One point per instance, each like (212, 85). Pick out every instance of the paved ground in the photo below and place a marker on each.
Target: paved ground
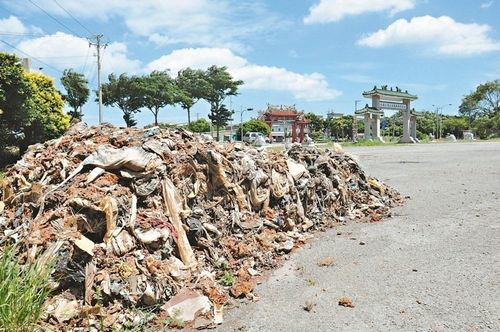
(433, 266)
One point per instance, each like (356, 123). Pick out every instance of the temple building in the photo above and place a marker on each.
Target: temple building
(285, 121)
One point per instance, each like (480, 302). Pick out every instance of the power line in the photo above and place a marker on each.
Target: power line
(74, 18)
(55, 19)
(30, 56)
(86, 60)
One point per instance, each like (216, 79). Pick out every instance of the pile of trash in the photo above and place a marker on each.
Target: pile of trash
(147, 226)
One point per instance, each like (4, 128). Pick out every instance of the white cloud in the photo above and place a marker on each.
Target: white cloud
(334, 10)
(54, 48)
(486, 5)
(441, 35)
(13, 25)
(309, 87)
(217, 23)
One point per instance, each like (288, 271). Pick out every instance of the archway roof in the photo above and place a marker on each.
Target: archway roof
(383, 91)
(368, 109)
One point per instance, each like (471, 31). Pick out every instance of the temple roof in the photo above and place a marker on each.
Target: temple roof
(282, 111)
(368, 109)
(383, 91)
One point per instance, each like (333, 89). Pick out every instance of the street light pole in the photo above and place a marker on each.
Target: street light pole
(241, 120)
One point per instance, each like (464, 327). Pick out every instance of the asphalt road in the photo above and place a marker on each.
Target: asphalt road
(433, 266)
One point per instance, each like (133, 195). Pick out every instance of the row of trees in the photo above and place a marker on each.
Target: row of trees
(428, 122)
(31, 108)
(158, 90)
(339, 127)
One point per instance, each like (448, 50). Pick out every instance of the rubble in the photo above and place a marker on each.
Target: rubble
(161, 220)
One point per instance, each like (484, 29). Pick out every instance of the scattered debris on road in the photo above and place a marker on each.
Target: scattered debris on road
(153, 221)
(326, 261)
(308, 306)
(345, 301)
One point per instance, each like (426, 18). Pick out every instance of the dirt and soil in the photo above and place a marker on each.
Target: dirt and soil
(433, 266)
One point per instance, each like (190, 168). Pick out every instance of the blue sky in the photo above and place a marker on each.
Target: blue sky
(317, 54)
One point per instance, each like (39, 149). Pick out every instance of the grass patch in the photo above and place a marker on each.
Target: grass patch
(23, 290)
(366, 143)
(227, 279)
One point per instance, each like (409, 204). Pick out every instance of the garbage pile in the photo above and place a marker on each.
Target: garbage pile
(147, 226)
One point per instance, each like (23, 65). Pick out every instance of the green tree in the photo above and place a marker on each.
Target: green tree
(220, 85)
(158, 90)
(220, 117)
(394, 125)
(455, 125)
(487, 127)
(361, 126)
(340, 126)
(317, 122)
(467, 108)
(427, 122)
(484, 101)
(192, 87)
(77, 91)
(15, 92)
(200, 126)
(255, 125)
(46, 107)
(126, 93)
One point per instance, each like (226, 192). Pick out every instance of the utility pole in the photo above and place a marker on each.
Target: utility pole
(98, 46)
(438, 125)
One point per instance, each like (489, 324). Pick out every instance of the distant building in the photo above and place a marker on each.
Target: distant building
(333, 115)
(285, 121)
(26, 64)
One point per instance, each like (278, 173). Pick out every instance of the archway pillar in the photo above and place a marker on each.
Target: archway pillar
(368, 123)
(376, 127)
(406, 124)
(413, 127)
